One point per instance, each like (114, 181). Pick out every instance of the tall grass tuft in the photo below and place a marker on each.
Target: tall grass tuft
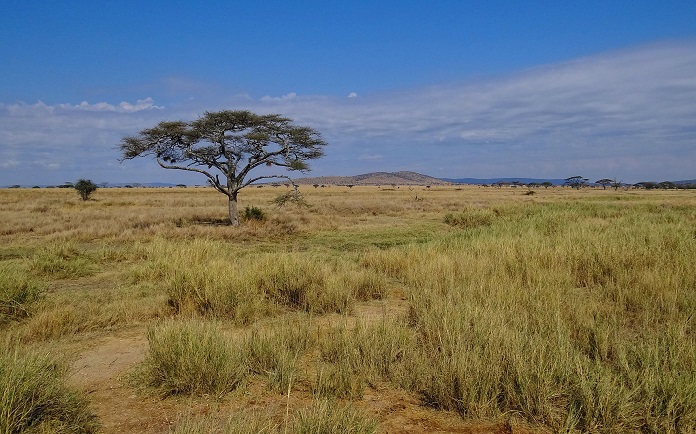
(470, 218)
(63, 260)
(577, 316)
(275, 353)
(241, 423)
(327, 417)
(303, 283)
(18, 291)
(35, 398)
(208, 279)
(373, 351)
(191, 357)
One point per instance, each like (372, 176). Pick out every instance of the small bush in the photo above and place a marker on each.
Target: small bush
(253, 213)
(35, 398)
(291, 197)
(85, 188)
(191, 357)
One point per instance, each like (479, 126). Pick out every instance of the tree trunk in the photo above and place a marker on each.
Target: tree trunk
(234, 214)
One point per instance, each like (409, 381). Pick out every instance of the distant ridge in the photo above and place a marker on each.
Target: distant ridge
(375, 178)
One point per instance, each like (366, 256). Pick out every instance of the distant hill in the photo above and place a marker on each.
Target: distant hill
(488, 181)
(686, 182)
(375, 178)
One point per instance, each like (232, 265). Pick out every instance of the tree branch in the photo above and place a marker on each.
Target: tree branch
(213, 179)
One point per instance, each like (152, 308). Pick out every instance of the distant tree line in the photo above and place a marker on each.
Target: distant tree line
(579, 182)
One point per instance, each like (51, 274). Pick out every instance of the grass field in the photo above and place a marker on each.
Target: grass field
(406, 309)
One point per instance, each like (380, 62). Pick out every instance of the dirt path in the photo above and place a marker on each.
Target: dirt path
(99, 372)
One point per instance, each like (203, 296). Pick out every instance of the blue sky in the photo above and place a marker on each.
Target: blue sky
(450, 89)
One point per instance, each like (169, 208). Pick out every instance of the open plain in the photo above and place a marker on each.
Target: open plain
(397, 309)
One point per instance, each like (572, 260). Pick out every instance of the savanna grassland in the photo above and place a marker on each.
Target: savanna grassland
(371, 309)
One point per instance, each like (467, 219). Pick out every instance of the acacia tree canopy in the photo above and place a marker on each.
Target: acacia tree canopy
(226, 146)
(576, 181)
(604, 182)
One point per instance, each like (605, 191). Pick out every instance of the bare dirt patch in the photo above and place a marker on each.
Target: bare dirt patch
(99, 371)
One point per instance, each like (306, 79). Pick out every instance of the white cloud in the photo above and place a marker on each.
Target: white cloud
(627, 114)
(286, 97)
(352, 95)
(126, 107)
(9, 163)
(591, 115)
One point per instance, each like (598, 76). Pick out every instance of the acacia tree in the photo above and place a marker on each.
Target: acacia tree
(226, 147)
(575, 182)
(604, 182)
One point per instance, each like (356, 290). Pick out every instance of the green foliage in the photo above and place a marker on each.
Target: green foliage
(575, 182)
(254, 213)
(35, 398)
(291, 198)
(605, 182)
(85, 188)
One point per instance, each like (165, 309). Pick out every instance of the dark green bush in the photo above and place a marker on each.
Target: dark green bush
(254, 213)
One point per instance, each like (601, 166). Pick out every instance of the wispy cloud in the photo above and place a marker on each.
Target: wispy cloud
(627, 114)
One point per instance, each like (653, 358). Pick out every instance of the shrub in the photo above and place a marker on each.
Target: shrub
(85, 188)
(35, 398)
(253, 213)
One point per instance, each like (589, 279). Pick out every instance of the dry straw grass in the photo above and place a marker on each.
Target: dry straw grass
(570, 310)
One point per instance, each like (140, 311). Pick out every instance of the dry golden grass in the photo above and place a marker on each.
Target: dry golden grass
(566, 310)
